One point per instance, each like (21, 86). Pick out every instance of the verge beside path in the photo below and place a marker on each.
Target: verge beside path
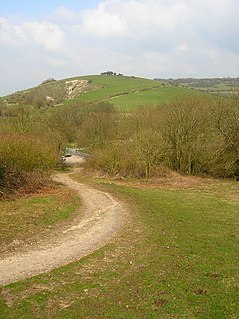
(93, 226)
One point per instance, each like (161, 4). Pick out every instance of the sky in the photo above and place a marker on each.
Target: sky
(145, 38)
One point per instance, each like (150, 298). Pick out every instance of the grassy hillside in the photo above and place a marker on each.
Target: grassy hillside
(125, 92)
(154, 96)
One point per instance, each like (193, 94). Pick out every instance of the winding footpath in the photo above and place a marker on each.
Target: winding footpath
(96, 223)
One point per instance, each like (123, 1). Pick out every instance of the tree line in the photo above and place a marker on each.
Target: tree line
(192, 136)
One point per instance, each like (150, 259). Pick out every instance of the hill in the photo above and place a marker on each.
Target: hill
(124, 92)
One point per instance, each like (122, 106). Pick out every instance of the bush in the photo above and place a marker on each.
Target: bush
(27, 153)
(24, 162)
(125, 159)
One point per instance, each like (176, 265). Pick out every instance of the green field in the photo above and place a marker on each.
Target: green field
(152, 97)
(177, 257)
(128, 93)
(103, 87)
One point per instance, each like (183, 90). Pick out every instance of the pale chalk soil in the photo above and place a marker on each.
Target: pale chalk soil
(96, 223)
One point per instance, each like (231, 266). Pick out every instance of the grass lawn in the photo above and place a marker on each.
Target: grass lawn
(177, 257)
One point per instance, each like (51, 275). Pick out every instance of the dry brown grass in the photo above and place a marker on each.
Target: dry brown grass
(21, 184)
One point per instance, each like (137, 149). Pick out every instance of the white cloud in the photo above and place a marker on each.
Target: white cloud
(136, 19)
(103, 21)
(182, 47)
(46, 34)
(65, 14)
(10, 34)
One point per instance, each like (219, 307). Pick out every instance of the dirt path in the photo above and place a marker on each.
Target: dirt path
(95, 224)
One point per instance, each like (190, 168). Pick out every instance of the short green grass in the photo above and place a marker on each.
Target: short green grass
(177, 257)
(152, 97)
(25, 217)
(106, 86)
(111, 85)
(128, 93)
